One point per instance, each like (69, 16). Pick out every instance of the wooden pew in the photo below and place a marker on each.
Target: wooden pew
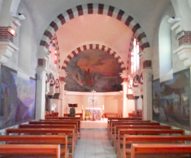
(122, 132)
(66, 115)
(107, 115)
(61, 140)
(44, 131)
(110, 124)
(62, 126)
(132, 139)
(68, 126)
(30, 150)
(121, 122)
(121, 118)
(111, 130)
(117, 127)
(160, 149)
(60, 121)
(70, 120)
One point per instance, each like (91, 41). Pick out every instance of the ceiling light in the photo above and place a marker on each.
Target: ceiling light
(12, 31)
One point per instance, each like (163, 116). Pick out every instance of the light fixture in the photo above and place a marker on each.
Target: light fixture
(172, 20)
(12, 31)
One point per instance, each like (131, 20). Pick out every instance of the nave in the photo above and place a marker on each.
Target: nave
(94, 142)
(70, 137)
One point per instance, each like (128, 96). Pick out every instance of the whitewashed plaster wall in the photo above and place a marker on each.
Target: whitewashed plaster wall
(28, 44)
(139, 104)
(113, 104)
(25, 59)
(0, 4)
(177, 65)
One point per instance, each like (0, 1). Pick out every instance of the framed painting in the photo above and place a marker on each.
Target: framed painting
(18, 98)
(93, 70)
(171, 103)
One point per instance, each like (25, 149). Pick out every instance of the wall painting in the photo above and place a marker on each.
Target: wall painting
(93, 70)
(17, 102)
(171, 100)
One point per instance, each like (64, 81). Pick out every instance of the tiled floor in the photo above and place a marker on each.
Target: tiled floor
(94, 141)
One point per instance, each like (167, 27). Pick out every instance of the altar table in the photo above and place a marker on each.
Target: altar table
(93, 114)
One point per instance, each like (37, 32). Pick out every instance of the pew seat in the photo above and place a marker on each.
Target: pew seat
(114, 136)
(161, 150)
(61, 140)
(21, 150)
(128, 140)
(47, 131)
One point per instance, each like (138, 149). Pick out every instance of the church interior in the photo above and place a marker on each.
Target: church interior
(97, 74)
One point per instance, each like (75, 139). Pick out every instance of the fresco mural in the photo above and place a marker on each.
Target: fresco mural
(171, 100)
(17, 102)
(93, 70)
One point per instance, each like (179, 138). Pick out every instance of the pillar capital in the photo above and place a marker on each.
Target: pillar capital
(42, 64)
(7, 48)
(184, 53)
(124, 74)
(147, 64)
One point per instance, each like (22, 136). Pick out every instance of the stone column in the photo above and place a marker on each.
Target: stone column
(40, 91)
(125, 91)
(136, 104)
(147, 91)
(62, 95)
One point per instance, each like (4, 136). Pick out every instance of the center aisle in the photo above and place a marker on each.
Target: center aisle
(94, 142)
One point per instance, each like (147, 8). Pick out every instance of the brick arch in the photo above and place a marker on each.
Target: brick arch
(94, 9)
(93, 46)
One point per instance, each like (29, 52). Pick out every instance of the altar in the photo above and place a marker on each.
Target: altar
(93, 114)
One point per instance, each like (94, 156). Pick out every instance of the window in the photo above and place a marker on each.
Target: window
(135, 61)
(165, 48)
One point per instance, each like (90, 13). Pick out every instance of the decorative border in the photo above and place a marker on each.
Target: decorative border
(93, 46)
(94, 9)
(147, 64)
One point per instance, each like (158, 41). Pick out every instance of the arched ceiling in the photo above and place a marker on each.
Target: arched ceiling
(145, 12)
(94, 29)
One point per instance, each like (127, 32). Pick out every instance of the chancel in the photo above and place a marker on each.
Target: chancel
(95, 78)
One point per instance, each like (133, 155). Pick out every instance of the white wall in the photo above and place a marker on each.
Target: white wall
(0, 4)
(177, 65)
(55, 105)
(112, 103)
(139, 103)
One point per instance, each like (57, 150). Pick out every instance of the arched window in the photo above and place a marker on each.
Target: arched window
(135, 60)
(165, 50)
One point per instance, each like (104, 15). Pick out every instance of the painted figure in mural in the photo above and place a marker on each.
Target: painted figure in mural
(88, 78)
(72, 111)
(6, 101)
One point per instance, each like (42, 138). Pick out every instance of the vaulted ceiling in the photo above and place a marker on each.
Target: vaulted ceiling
(99, 29)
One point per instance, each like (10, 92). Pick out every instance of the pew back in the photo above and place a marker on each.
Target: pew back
(44, 131)
(132, 139)
(160, 149)
(32, 150)
(38, 139)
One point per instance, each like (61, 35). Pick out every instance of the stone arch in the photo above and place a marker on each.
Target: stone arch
(94, 9)
(93, 46)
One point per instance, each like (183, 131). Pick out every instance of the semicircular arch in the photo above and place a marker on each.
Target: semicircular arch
(91, 8)
(93, 46)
